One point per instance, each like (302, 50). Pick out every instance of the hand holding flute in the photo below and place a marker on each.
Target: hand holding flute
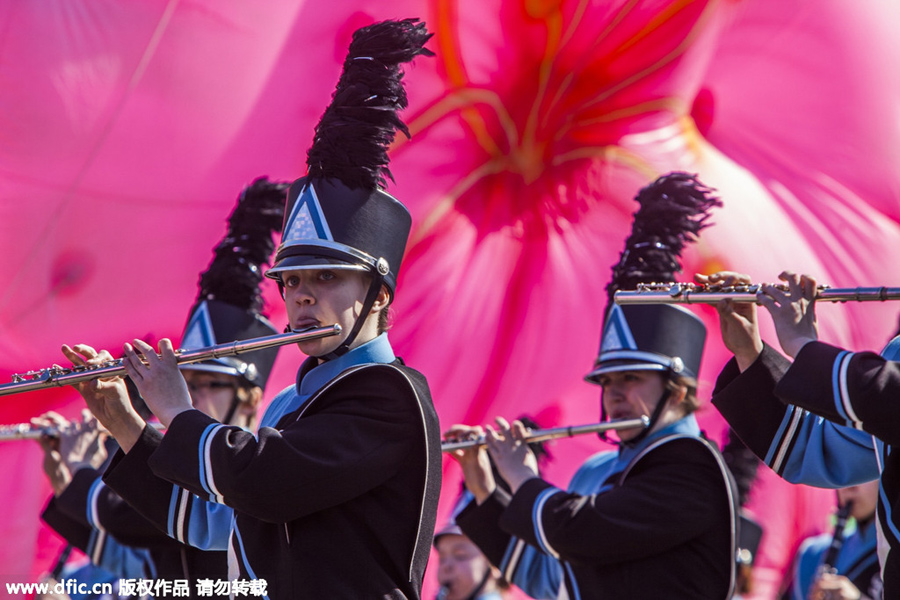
(76, 444)
(509, 450)
(737, 320)
(107, 398)
(792, 309)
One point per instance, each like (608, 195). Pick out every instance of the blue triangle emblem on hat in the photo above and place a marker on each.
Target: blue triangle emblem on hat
(307, 221)
(617, 334)
(199, 332)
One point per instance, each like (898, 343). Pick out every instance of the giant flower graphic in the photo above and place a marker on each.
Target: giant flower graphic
(126, 141)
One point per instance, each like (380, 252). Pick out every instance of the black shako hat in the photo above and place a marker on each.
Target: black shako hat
(229, 300)
(650, 337)
(339, 215)
(657, 337)
(212, 323)
(328, 224)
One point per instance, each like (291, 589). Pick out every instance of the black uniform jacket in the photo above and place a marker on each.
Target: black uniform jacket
(662, 529)
(169, 559)
(829, 415)
(339, 500)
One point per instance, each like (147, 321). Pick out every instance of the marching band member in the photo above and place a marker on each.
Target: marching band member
(827, 419)
(94, 518)
(464, 572)
(658, 517)
(336, 496)
(842, 565)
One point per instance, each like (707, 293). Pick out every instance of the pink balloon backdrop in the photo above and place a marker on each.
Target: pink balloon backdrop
(128, 129)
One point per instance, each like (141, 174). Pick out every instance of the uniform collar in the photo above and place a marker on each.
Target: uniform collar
(312, 375)
(686, 426)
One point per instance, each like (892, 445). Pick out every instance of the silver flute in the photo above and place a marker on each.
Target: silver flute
(26, 431)
(542, 435)
(58, 376)
(693, 293)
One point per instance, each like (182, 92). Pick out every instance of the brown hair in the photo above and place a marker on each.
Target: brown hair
(691, 402)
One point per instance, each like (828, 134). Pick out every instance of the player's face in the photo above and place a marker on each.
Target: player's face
(631, 395)
(864, 497)
(321, 298)
(211, 393)
(461, 566)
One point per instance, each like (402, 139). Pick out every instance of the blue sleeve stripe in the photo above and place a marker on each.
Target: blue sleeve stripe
(511, 558)
(785, 435)
(206, 478)
(570, 583)
(539, 524)
(841, 394)
(173, 504)
(93, 515)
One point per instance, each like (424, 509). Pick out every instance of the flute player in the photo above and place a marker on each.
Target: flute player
(655, 519)
(829, 418)
(91, 516)
(337, 495)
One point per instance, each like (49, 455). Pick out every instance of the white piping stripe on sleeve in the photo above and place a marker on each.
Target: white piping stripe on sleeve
(182, 512)
(99, 543)
(778, 463)
(93, 512)
(878, 451)
(844, 393)
(538, 522)
(207, 466)
(514, 557)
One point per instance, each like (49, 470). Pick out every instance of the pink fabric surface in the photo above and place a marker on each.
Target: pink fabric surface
(128, 129)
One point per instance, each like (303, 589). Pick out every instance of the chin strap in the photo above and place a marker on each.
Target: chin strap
(235, 402)
(381, 269)
(477, 590)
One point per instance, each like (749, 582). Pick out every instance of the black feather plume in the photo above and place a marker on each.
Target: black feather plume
(235, 272)
(354, 133)
(673, 209)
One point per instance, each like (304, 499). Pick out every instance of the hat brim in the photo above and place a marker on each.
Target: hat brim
(299, 263)
(634, 360)
(625, 365)
(323, 253)
(209, 367)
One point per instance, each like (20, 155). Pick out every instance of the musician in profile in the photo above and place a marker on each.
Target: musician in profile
(90, 515)
(658, 517)
(842, 565)
(828, 418)
(336, 497)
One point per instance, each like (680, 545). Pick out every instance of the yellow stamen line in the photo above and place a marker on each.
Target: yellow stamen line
(569, 78)
(554, 28)
(612, 154)
(654, 24)
(448, 43)
(658, 65)
(465, 100)
(444, 206)
(672, 104)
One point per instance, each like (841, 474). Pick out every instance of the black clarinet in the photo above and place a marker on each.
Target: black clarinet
(837, 541)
